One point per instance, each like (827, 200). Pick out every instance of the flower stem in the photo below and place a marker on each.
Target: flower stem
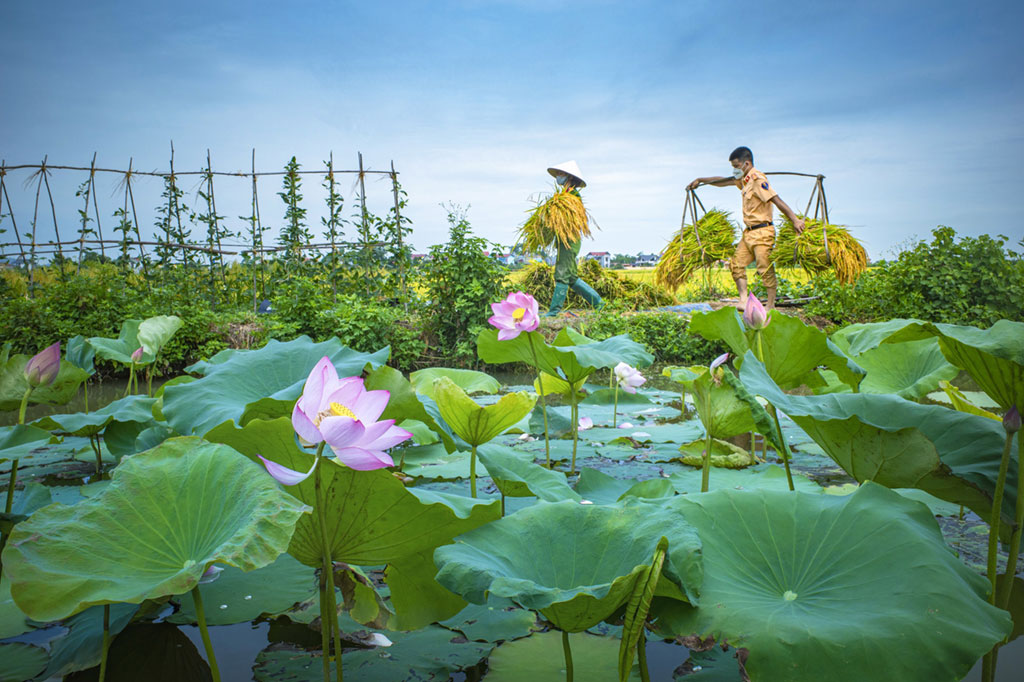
(472, 472)
(328, 605)
(575, 430)
(615, 408)
(205, 634)
(106, 642)
(10, 487)
(994, 522)
(85, 388)
(131, 377)
(24, 406)
(543, 400)
(568, 656)
(705, 476)
(94, 441)
(1011, 564)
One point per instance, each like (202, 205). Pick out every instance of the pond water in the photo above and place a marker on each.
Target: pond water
(238, 645)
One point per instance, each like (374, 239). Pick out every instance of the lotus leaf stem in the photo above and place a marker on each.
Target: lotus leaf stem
(783, 446)
(8, 505)
(705, 476)
(568, 656)
(106, 642)
(325, 625)
(94, 441)
(131, 377)
(472, 472)
(1011, 564)
(994, 521)
(575, 429)
(543, 400)
(205, 634)
(85, 389)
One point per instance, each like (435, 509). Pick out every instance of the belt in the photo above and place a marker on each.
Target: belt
(754, 227)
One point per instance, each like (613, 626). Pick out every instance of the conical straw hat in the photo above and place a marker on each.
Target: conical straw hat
(568, 168)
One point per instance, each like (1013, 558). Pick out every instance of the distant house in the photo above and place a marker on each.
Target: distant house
(646, 260)
(419, 257)
(603, 258)
(12, 262)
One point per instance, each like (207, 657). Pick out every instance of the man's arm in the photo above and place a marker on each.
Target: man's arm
(798, 223)
(717, 181)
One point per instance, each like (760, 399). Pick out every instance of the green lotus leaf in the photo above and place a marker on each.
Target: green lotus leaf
(468, 380)
(819, 587)
(270, 379)
(994, 357)
(416, 597)
(539, 658)
(155, 332)
(21, 661)
(600, 488)
(792, 349)
(556, 385)
(476, 424)
(12, 619)
(578, 356)
(80, 353)
(592, 557)
(404, 403)
(133, 408)
(13, 384)
(729, 415)
(911, 369)
(681, 375)
(20, 440)
(121, 348)
(516, 477)
(167, 514)
(952, 455)
(529, 348)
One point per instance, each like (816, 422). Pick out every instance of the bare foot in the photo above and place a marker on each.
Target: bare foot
(742, 304)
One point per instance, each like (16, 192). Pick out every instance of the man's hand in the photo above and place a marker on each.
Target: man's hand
(799, 225)
(695, 184)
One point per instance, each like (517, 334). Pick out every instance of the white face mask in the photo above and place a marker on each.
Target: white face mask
(561, 179)
(738, 173)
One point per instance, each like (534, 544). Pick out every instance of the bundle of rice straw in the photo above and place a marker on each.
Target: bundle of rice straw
(692, 249)
(845, 255)
(561, 218)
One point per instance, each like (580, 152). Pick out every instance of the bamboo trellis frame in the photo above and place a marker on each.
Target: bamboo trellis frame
(29, 246)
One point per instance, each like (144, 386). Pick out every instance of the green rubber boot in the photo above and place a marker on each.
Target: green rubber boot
(557, 299)
(588, 294)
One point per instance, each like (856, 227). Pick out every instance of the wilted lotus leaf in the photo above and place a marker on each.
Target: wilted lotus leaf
(819, 587)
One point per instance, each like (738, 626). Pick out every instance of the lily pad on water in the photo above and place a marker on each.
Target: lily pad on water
(592, 556)
(20, 440)
(517, 477)
(80, 647)
(21, 661)
(166, 515)
(266, 382)
(433, 653)
(538, 658)
(133, 408)
(952, 455)
(821, 587)
(600, 488)
(499, 619)
(762, 477)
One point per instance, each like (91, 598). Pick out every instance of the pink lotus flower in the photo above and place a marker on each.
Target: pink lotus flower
(755, 316)
(345, 415)
(137, 354)
(585, 423)
(517, 313)
(629, 378)
(719, 361)
(42, 368)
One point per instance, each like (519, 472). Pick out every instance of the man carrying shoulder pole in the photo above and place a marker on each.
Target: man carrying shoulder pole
(758, 236)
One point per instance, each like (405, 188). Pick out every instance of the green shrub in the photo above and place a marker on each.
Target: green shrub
(367, 325)
(664, 334)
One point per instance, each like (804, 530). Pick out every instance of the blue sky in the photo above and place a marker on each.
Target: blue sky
(912, 110)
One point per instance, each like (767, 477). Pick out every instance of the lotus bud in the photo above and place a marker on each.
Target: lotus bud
(1011, 420)
(755, 316)
(719, 361)
(137, 355)
(585, 423)
(43, 367)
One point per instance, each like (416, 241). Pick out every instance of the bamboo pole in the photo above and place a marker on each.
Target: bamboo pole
(32, 244)
(96, 205)
(14, 223)
(398, 227)
(135, 219)
(85, 220)
(177, 211)
(53, 212)
(214, 217)
(363, 229)
(236, 174)
(252, 223)
(332, 226)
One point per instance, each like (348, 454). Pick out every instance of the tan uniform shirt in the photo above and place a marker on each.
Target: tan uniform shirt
(757, 198)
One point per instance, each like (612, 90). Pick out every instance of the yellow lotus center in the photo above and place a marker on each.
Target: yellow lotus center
(518, 314)
(334, 410)
(339, 410)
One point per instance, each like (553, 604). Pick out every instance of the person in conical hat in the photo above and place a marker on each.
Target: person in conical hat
(566, 274)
